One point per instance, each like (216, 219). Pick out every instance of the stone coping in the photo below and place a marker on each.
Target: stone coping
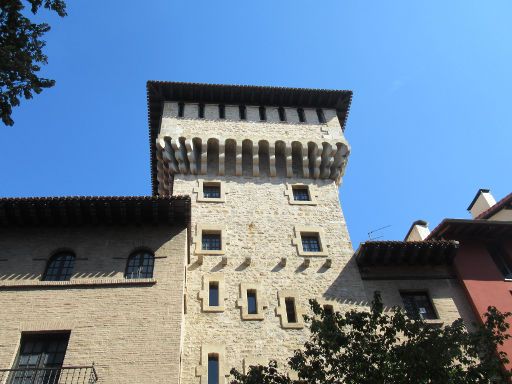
(10, 284)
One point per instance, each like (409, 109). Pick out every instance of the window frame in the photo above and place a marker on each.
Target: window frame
(70, 270)
(301, 231)
(281, 309)
(199, 190)
(209, 229)
(243, 302)
(412, 293)
(132, 256)
(312, 191)
(204, 293)
(501, 259)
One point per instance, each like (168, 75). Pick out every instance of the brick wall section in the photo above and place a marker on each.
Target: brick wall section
(132, 333)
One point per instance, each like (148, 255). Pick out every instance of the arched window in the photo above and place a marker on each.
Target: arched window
(140, 265)
(60, 267)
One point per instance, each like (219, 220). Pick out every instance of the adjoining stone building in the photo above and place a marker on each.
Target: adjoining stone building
(216, 269)
(93, 284)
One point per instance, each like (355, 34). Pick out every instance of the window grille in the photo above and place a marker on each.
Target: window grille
(301, 194)
(211, 242)
(60, 267)
(310, 243)
(211, 191)
(418, 305)
(140, 265)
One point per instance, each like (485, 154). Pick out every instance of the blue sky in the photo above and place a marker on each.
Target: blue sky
(430, 121)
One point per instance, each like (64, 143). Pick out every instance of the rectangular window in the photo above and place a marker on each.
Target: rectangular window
(201, 111)
(40, 357)
(501, 259)
(252, 302)
(302, 116)
(213, 369)
(282, 114)
(290, 310)
(211, 191)
(213, 296)
(243, 112)
(222, 111)
(320, 114)
(181, 109)
(310, 243)
(211, 242)
(300, 193)
(263, 114)
(418, 305)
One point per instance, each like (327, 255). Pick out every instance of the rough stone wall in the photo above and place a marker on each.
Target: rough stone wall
(130, 331)
(259, 223)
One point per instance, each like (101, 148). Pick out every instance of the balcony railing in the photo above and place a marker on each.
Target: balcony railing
(61, 375)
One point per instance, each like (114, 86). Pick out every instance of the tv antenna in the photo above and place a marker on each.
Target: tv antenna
(377, 230)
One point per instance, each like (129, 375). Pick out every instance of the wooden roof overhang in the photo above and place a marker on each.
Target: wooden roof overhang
(455, 229)
(397, 253)
(159, 92)
(94, 210)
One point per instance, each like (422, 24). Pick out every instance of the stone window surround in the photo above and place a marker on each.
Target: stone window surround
(312, 190)
(204, 294)
(244, 306)
(281, 309)
(202, 367)
(209, 228)
(199, 191)
(297, 240)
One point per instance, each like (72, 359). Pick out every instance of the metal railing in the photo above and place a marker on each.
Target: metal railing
(60, 375)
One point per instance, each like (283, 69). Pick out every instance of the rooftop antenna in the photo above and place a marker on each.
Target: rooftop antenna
(376, 230)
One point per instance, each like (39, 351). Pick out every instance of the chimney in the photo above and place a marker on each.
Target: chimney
(418, 231)
(481, 202)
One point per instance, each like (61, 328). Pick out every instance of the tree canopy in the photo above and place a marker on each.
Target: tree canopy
(379, 347)
(21, 53)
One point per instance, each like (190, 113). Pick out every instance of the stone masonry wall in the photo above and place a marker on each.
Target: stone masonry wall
(130, 331)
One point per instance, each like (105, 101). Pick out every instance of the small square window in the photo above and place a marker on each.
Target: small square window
(211, 191)
(252, 303)
(418, 305)
(211, 242)
(301, 193)
(310, 243)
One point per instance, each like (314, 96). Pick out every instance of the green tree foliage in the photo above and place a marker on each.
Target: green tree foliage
(21, 53)
(377, 347)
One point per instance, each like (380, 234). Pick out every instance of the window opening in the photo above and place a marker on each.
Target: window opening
(252, 302)
(243, 112)
(301, 194)
(60, 267)
(213, 369)
(302, 116)
(320, 114)
(181, 109)
(211, 242)
(282, 114)
(211, 191)
(140, 265)
(263, 113)
(222, 111)
(213, 297)
(290, 310)
(418, 305)
(201, 111)
(310, 243)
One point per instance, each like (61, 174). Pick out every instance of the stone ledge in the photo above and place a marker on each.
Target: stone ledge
(10, 284)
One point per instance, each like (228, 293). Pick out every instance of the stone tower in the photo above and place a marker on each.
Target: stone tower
(267, 233)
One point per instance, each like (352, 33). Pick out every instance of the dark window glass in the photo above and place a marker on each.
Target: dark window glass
(302, 116)
(300, 194)
(222, 111)
(60, 267)
(252, 304)
(213, 369)
(501, 259)
(263, 114)
(213, 297)
(201, 111)
(320, 114)
(140, 265)
(40, 356)
(418, 305)
(282, 114)
(181, 109)
(211, 191)
(211, 241)
(243, 112)
(310, 243)
(328, 310)
(290, 309)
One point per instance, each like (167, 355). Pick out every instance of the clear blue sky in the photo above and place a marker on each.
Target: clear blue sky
(430, 121)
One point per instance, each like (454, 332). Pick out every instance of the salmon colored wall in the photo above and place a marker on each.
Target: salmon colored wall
(483, 281)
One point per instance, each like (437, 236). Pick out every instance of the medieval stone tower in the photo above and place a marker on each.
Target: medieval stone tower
(263, 166)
